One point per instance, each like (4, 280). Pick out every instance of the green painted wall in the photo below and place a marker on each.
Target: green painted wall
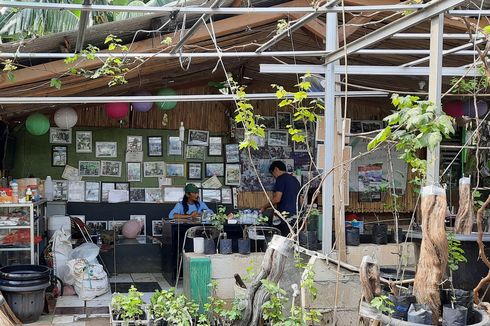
(33, 154)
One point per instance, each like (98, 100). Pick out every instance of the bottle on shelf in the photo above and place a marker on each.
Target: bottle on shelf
(28, 194)
(48, 189)
(15, 191)
(181, 131)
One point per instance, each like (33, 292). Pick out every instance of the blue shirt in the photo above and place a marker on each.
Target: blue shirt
(179, 209)
(289, 186)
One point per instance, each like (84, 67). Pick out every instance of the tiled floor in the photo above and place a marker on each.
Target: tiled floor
(71, 311)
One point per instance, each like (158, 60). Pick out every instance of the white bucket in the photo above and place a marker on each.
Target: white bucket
(199, 245)
(56, 222)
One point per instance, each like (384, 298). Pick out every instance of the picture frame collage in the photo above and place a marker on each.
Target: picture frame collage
(97, 226)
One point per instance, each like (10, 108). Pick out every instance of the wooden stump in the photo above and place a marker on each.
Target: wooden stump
(276, 257)
(466, 215)
(433, 250)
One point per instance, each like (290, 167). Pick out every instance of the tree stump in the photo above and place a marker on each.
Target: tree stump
(433, 250)
(466, 215)
(278, 258)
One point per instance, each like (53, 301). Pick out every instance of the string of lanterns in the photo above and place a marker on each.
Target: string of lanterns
(37, 124)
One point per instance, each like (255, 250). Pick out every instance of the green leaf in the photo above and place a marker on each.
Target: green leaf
(56, 83)
(434, 139)
(380, 137)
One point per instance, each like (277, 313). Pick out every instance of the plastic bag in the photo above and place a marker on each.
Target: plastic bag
(90, 280)
(61, 252)
(87, 251)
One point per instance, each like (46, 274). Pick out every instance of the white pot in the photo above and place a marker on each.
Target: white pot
(199, 245)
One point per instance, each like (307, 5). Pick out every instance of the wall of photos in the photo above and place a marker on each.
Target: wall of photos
(131, 159)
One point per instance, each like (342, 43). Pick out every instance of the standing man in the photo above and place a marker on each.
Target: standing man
(285, 195)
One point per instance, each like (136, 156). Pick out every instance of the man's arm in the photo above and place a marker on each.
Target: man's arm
(276, 199)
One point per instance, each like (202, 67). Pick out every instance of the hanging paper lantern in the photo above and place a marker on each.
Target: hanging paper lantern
(117, 110)
(65, 118)
(166, 105)
(454, 108)
(469, 108)
(37, 124)
(142, 106)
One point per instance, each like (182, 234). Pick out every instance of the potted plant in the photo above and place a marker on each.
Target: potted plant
(244, 242)
(167, 308)
(128, 309)
(218, 220)
(217, 311)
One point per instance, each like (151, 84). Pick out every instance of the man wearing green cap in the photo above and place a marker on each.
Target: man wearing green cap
(190, 207)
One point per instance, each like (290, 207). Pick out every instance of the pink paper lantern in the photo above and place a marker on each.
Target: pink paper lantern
(142, 106)
(469, 108)
(453, 108)
(117, 110)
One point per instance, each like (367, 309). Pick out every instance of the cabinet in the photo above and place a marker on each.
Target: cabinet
(20, 227)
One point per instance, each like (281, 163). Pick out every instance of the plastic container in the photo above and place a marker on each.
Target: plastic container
(198, 245)
(28, 194)
(15, 191)
(48, 189)
(56, 222)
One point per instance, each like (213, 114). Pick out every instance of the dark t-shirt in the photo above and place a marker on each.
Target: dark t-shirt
(289, 186)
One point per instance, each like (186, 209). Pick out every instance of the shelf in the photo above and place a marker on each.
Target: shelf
(15, 249)
(3, 227)
(33, 204)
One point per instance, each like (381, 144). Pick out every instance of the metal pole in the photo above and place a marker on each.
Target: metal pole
(173, 98)
(435, 84)
(329, 121)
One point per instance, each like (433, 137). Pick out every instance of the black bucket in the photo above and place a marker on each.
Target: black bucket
(380, 233)
(352, 236)
(209, 247)
(308, 239)
(244, 246)
(23, 286)
(225, 246)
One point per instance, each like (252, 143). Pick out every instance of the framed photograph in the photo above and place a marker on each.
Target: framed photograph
(211, 195)
(105, 188)
(89, 168)
(232, 174)
(156, 228)
(59, 155)
(215, 146)
(111, 168)
(153, 195)
(137, 195)
(301, 147)
(232, 153)
(142, 219)
(116, 225)
(83, 141)
(134, 171)
(105, 149)
(268, 122)
(121, 186)
(76, 191)
(60, 190)
(278, 138)
(59, 136)
(134, 143)
(226, 196)
(260, 141)
(174, 146)
(194, 170)
(234, 190)
(283, 120)
(217, 169)
(92, 191)
(195, 152)
(70, 173)
(96, 226)
(175, 170)
(371, 125)
(134, 156)
(155, 146)
(173, 194)
(154, 169)
(198, 137)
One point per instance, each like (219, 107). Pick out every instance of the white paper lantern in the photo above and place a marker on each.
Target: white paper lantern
(65, 118)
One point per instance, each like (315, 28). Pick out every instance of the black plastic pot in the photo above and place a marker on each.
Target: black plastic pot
(458, 297)
(209, 247)
(23, 287)
(244, 246)
(380, 233)
(419, 314)
(454, 316)
(352, 236)
(402, 304)
(225, 246)
(308, 239)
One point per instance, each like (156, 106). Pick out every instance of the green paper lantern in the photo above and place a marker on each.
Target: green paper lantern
(166, 105)
(37, 124)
